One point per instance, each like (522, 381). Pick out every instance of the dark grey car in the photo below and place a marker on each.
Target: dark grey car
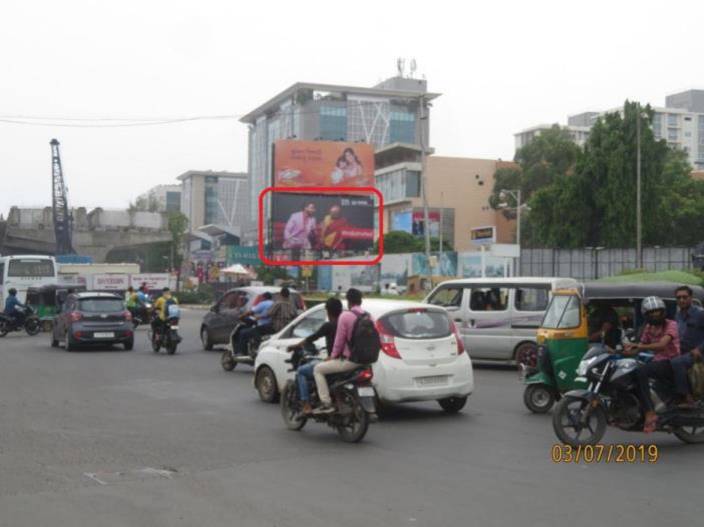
(219, 322)
(89, 319)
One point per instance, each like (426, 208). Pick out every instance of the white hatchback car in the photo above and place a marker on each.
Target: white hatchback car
(422, 356)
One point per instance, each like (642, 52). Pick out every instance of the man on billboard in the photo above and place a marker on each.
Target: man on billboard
(299, 232)
(331, 230)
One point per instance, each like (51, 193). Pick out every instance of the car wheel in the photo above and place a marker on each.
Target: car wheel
(129, 345)
(54, 342)
(538, 398)
(527, 354)
(70, 343)
(452, 405)
(205, 339)
(265, 382)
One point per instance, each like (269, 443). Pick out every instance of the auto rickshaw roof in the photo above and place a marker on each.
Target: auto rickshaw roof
(596, 290)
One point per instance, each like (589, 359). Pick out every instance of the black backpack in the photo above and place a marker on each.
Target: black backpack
(365, 342)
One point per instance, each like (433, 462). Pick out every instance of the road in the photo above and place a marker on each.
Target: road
(113, 438)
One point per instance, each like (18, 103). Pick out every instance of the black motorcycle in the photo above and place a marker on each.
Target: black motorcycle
(166, 335)
(141, 314)
(580, 418)
(29, 322)
(233, 356)
(352, 395)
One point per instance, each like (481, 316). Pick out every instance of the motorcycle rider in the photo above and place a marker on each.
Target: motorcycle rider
(260, 313)
(690, 323)
(14, 309)
(283, 311)
(161, 309)
(338, 360)
(661, 336)
(131, 300)
(333, 308)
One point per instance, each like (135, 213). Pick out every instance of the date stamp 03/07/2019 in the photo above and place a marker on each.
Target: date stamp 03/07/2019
(605, 453)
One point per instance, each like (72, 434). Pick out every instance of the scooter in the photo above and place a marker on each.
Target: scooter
(29, 322)
(233, 356)
(352, 394)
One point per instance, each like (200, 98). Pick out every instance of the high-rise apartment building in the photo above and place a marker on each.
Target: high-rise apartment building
(215, 198)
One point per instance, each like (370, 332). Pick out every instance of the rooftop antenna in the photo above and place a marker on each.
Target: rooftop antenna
(414, 66)
(400, 66)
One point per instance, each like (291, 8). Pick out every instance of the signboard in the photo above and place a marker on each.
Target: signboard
(154, 281)
(328, 222)
(483, 235)
(243, 255)
(109, 282)
(72, 280)
(323, 164)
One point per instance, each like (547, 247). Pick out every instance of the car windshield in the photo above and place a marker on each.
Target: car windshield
(418, 324)
(562, 313)
(100, 305)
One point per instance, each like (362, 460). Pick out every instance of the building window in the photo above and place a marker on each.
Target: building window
(211, 200)
(399, 184)
(173, 201)
(672, 134)
(672, 119)
(402, 128)
(333, 123)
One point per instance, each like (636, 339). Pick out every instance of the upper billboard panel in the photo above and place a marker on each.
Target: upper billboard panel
(323, 164)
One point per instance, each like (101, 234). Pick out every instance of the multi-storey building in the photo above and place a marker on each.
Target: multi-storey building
(215, 198)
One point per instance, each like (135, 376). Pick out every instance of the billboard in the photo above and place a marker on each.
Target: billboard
(334, 223)
(483, 235)
(418, 222)
(109, 282)
(323, 164)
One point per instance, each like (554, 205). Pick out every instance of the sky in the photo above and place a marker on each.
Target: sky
(501, 66)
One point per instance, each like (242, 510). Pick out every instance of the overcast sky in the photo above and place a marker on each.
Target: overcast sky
(501, 67)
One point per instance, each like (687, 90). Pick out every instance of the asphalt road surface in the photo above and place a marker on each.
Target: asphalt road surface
(114, 438)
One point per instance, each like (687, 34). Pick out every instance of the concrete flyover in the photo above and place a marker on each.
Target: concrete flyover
(95, 233)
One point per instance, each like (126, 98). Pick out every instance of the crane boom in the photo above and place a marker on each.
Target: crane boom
(62, 217)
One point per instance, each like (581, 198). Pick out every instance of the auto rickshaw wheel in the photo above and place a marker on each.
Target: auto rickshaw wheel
(539, 398)
(527, 354)
(47, 326)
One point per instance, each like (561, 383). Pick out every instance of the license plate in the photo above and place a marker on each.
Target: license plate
(104, 335)
(174, 327)
(365, 391)
(432, 380)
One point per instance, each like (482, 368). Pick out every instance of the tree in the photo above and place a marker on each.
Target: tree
(396, 242)
(148, 203)
(177, 224)
(595, 204)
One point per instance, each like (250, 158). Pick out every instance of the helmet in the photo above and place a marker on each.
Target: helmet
(651, 303)
(653, 309)
(12, 291)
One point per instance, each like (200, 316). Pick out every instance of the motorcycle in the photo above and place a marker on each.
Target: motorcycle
(233, 356)
(611, 398)
(352, 395)
(167, 335)
(142, 314)
(29, 322)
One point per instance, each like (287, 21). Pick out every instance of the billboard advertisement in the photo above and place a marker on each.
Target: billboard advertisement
(402, 221)
(109, 282)
(154, 281)
(418, 222)
(322, 222)
(323, 164)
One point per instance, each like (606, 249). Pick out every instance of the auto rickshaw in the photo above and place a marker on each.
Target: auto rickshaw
(572, 324)
(46, 302)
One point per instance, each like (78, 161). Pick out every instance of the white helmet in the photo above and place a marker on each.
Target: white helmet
(652, 303)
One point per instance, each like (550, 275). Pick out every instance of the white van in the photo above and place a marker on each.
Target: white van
(498, 317)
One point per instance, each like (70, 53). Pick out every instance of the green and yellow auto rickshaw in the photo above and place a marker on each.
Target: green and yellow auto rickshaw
(46, 302)
(572, 324)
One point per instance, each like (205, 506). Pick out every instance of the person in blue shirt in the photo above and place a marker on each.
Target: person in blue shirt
(260, 313)
(11, 305)
(690, 325)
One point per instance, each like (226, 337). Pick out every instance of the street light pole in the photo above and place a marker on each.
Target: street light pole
(422, 109)
(639, 246)
(518, 231)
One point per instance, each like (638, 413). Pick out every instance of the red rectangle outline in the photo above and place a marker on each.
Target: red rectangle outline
(316, 190)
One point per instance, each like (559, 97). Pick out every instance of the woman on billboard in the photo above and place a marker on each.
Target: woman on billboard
(352, 170)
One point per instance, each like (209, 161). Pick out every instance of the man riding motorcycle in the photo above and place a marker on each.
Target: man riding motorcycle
(660, 336)
(161, 308)
(260, 313)
(304, 374)
(14, 309)
(690, 322)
